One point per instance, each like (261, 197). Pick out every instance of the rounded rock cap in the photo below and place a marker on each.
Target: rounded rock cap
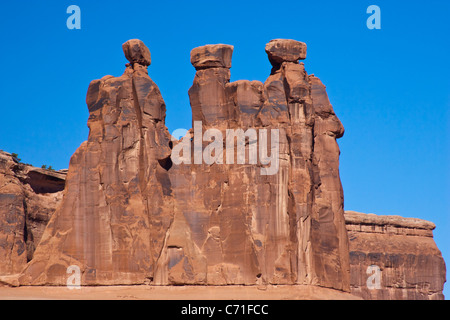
(137, 52)
(281, 50)
(212, 56)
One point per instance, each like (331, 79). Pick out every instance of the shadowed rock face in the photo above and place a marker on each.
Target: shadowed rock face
(410, 265)
(28, 198)
(45, 181)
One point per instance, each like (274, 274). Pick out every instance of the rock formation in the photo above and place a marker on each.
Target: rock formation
(28, 198)
(130, 215)
(401, 251)
(248, 228)
(116, 210)
(251, 195)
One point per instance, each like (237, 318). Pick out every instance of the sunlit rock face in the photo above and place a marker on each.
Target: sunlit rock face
(268, 212)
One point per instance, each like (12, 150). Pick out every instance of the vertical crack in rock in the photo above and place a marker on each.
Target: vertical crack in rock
(141, 138)
(27, 236)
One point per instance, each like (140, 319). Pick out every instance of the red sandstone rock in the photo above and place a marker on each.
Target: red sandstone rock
(285, 50)
(113, 220)
(212, 56)
(131, 216)
(136, 52)
(201, 223)
(28, 198)
(410, 265)
(248, 228)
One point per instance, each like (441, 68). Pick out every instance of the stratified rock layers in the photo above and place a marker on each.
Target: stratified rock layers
(409, 264)
(130, 215)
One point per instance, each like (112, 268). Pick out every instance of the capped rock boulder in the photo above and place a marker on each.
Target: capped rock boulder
(285, 50)
(137, 52)
(212, 56)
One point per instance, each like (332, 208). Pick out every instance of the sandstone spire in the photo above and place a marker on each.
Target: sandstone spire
(209, 100)
(114, 214)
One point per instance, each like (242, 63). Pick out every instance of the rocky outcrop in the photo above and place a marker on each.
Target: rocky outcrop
(28, 198)
(255, 223)
(117, 208)
(251, 195)
(266, 210)
(394, 258)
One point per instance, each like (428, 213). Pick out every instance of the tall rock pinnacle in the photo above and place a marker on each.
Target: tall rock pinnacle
(209, 101)
(114, 214)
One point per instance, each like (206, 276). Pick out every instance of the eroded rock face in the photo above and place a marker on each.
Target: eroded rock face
(113, 220)
(28, 198)
(184, 225)
(245, 227)
(400, 251)
(130, 215)
(142, 207)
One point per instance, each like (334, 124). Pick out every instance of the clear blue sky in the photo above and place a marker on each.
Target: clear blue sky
(389, 87)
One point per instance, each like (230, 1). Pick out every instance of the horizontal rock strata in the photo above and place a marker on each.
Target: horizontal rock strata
(403, 253)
